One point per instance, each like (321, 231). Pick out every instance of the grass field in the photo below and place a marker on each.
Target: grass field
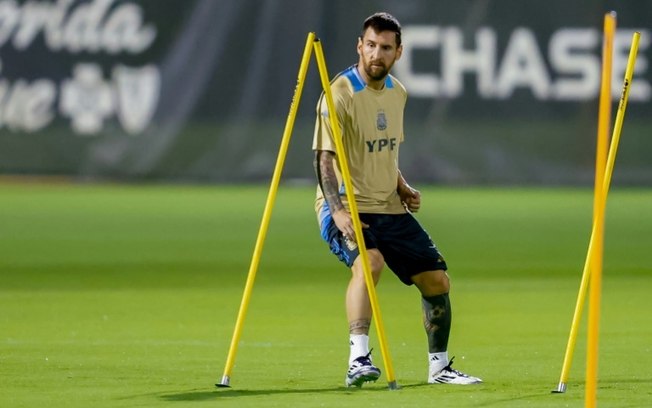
(126, 296)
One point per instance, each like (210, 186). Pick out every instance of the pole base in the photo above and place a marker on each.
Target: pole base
(561, 388)
(392, 385)
(225, 383)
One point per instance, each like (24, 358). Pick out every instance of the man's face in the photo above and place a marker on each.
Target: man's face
(378, 52)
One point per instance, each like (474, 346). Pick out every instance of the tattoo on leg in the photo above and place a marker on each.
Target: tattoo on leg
(360, 326)
(437, 321)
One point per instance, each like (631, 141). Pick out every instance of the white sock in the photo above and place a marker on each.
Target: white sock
(359, 346)
(437, 361)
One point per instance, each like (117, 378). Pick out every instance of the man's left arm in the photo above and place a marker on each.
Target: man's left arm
(410, 197)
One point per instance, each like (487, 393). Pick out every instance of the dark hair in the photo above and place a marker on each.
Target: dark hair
(383, 21)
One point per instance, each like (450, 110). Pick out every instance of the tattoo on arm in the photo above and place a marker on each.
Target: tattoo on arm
(327, 179)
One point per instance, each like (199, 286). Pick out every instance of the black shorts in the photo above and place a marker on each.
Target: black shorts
(407, 248)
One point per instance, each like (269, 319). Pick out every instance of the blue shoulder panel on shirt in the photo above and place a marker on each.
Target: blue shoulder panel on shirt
(388, 83)
(354, 77)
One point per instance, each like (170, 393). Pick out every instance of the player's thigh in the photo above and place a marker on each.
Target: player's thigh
(409, 250)
(376, 262)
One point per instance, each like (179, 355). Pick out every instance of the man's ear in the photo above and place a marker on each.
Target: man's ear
(399, 52)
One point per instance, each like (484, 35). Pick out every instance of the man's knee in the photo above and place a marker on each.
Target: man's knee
(432, 283)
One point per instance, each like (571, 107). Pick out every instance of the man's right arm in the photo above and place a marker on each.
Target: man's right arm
(327, 179)
(330, 189)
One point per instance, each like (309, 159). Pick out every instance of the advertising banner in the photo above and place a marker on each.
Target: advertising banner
(500, 92)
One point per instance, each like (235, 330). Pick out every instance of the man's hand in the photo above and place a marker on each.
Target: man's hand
(344, 223)
(410, 197)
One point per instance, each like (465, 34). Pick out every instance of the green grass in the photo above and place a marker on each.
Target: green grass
(126, 296)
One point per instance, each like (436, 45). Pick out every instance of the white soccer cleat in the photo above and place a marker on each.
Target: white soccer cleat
(448, 375)
(361, 371)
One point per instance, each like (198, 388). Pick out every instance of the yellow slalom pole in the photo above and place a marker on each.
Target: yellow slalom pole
(590, 398)
(267, 213)
(604, 115)
(353, 208)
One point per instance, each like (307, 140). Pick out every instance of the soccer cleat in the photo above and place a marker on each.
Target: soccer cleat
(448, 375)
(361, 371)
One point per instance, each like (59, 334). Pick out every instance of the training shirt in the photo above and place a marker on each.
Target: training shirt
(372, 130)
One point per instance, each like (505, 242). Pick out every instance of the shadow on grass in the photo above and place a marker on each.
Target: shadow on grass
(204, 395)
(220, 393)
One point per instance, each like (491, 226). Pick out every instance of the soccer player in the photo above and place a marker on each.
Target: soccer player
(369, 105)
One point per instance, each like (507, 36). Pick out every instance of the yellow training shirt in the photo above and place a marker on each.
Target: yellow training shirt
(372, 130)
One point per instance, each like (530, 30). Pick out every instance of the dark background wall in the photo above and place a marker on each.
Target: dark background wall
(501, 92)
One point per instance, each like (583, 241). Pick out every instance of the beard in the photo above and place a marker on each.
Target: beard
(376, 72)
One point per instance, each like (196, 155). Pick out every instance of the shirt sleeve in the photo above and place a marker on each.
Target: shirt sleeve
(323, 137)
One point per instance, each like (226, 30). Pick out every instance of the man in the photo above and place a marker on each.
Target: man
(369, 106)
